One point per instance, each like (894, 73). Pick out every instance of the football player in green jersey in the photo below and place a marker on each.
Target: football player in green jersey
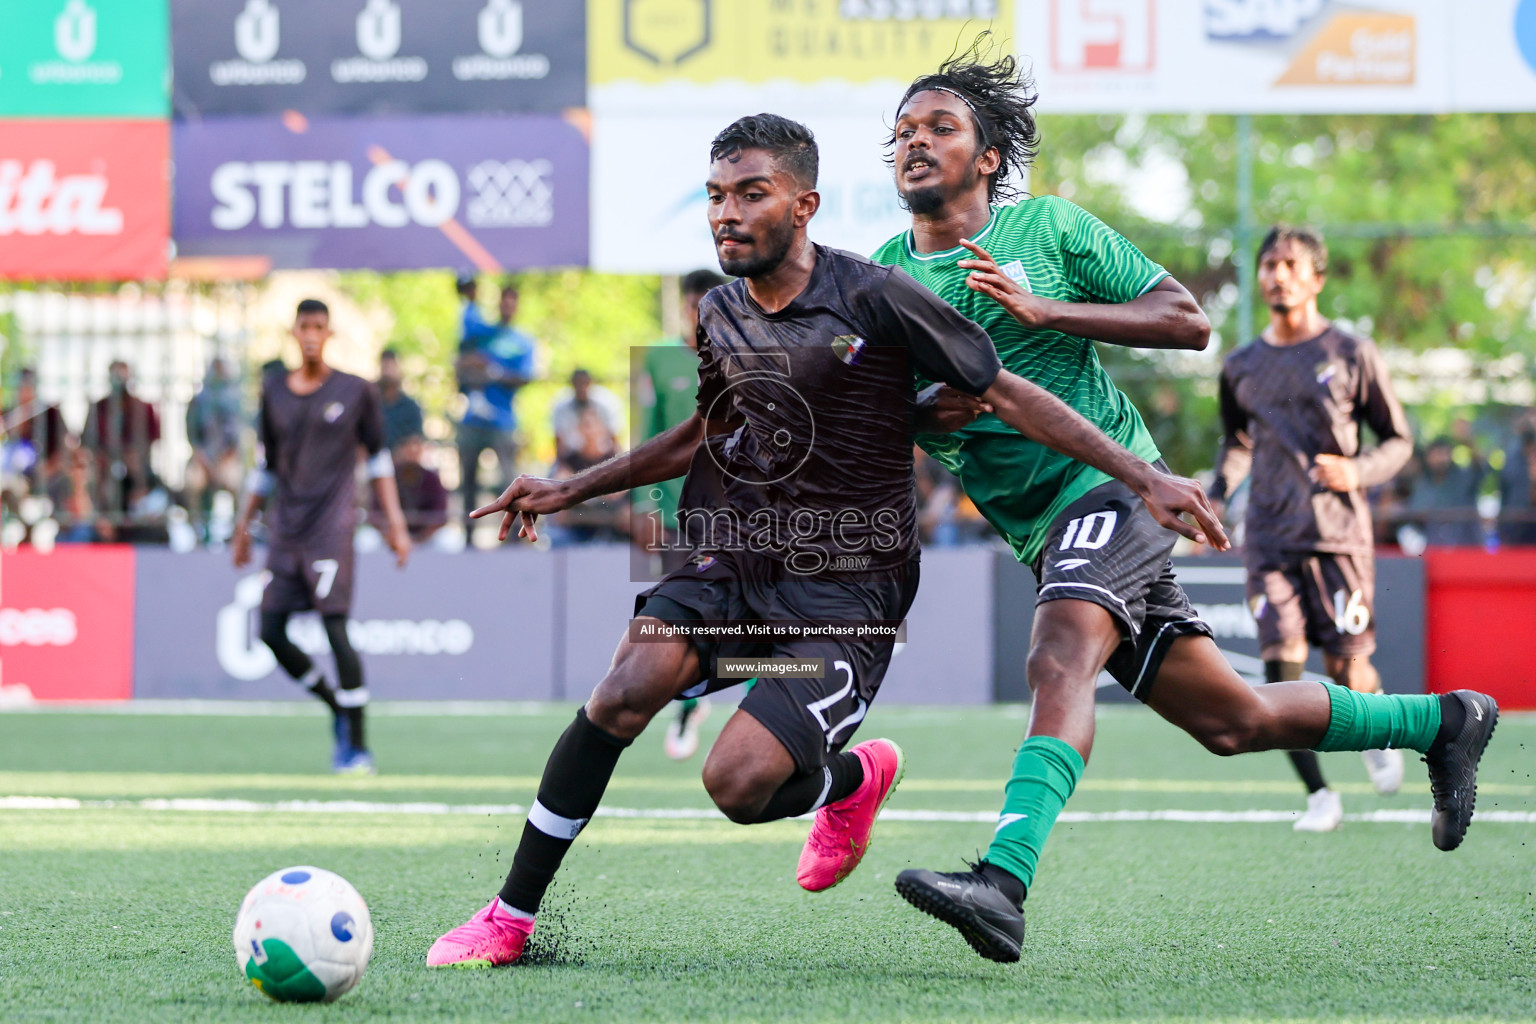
(1046, 279)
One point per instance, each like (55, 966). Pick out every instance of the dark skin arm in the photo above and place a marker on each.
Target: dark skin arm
(1166, 316)
(1046, 419)
(664, 457)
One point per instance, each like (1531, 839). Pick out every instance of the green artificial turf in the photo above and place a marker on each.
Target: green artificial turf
(114, 910)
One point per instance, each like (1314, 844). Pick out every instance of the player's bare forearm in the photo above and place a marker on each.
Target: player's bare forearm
(387, 495)
(1166, 317)
(664, 457)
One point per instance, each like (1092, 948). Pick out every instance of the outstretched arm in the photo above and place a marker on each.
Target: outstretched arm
(1165, 316)
(664, 457)
(1046, 419)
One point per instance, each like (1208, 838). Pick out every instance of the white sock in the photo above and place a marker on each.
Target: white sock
(508, 908)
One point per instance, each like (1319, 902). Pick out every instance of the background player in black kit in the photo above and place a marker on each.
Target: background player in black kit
(799, 464)
(1292, 404)
(313, 422)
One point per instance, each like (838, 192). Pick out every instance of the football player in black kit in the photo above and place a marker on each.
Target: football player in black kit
(313, 422)
(799, 468)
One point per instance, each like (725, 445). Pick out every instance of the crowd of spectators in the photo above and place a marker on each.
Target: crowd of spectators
(98, 484)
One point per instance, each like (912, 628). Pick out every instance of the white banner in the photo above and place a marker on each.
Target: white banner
(648, 171)
(1281, 56)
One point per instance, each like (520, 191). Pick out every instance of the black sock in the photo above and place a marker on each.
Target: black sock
(353, 695)
(1453, 715)
(1010, 884)
(274, 633)
(1309, 768)
(1305, 761)
(574, 780)
(807, 791)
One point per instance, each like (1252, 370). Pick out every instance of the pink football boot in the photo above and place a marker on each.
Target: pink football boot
(489, 939)
(840, 835)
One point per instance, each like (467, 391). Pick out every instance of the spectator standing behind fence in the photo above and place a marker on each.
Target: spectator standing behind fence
(1443, 500)
(423, 498)
(35, 435)
(215, 425)
(1517, 485)
(402, 415)
(121, 432)
(490, 373)
(574, 402)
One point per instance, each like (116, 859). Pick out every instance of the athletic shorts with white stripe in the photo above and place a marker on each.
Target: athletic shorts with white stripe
(1105, 548)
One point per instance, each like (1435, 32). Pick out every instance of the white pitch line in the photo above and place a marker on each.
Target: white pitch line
(64, 803)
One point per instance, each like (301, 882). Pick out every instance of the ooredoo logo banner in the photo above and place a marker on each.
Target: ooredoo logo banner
(378, 56)
(386, 193)
(84, 200)
(66, 622)
(97, 58)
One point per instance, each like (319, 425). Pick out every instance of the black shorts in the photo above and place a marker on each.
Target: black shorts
(1105, 548)
(813, 718)
(1326, 599)
(310, 575)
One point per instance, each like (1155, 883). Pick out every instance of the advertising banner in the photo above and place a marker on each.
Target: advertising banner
(1280, 56)
(84, 200)
(84, 58)
(455, 627)
(378, 56)
(668, 232)
(1237, 55)
(706, 41)
(386, 193)
(66, 622)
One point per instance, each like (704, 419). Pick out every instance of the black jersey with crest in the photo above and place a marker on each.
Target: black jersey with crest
(818, 470)
(310, 444)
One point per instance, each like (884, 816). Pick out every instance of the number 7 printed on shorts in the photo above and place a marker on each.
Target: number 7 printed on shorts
(326, 568)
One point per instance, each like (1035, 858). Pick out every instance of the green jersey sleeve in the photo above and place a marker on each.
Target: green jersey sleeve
(1100, 263)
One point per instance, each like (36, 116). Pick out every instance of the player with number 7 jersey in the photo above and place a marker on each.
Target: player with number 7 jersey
(312, 423)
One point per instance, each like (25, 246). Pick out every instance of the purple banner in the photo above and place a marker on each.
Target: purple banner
(387, 193)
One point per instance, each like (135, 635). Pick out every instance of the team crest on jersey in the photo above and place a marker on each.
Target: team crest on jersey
(333, 412)
(702, 562)
(849, 348)
(1326, 372)
(1015, 273)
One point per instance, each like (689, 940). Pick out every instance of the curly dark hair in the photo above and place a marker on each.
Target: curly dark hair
(790, 143)
(1000, 93)
(1309, 240)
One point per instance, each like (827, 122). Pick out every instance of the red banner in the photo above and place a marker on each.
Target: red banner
(66, 622)
(1481, 614)
(84, 200)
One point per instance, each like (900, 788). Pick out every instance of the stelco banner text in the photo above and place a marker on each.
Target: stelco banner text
(387, 193)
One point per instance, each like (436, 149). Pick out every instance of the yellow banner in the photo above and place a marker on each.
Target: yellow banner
(755, 41)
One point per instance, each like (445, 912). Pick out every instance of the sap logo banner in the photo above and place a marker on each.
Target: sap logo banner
(1348, 47)
(384, 192)
(355, 56)
(1258, 20)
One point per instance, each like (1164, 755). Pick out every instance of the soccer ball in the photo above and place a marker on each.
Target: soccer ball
(303, 935)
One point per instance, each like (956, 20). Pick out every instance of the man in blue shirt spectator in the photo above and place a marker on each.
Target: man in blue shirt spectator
(490, 371)
(474, 328)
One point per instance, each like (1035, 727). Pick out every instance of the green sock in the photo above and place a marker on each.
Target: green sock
(1373, 721)
(1045, 772)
